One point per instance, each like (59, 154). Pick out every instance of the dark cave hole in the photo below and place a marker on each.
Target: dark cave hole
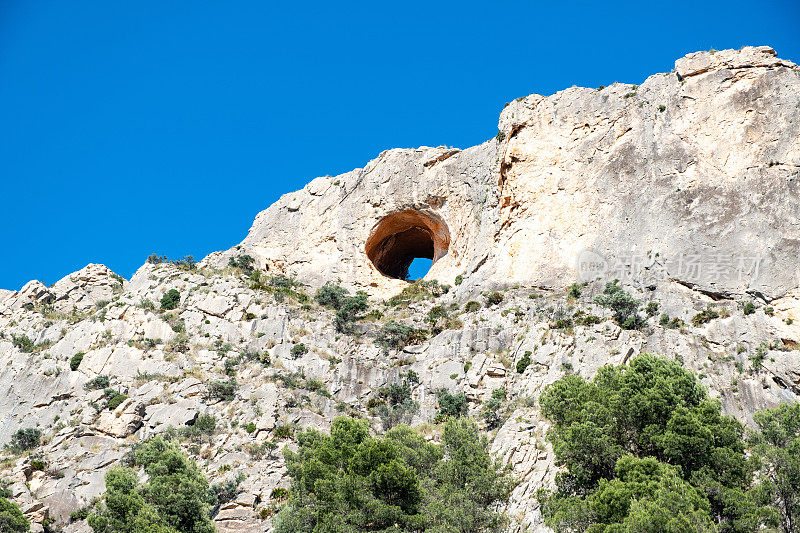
(400, 238)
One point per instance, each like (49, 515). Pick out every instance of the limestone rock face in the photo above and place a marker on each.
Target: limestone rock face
(85, 288)
(691, 176)
(684, 187)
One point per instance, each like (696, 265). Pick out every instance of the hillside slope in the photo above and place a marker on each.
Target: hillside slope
(691, 205)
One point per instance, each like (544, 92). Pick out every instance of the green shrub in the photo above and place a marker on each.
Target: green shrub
(203, 425)
(748, 308)
(588, 320)
(394, 335)
(170, 300)
(11, 518)
(225, 492)
(243, 262)
(454, 405)
(769, 310)
(418, 290)
(459, 279)
(394, 404)
(250, 427)
(299, 350)
(471, 306)
(25, 439)
(494, 298)
(115, 399)
(524, 362)
(98, 382)
(79, 514)
(279, 493)
(348, 308)
(651, 309)
(331, 296)
(398, 482)
(22, 342)
(284, 431)
(176, 497)
(75, 362)
(223, 390)
(623, 306)
(156, 259)
(757, 357)
(491, 409)
(705, 316)
(776, 444)
(574, 291)
(643, 443)
(349, 311)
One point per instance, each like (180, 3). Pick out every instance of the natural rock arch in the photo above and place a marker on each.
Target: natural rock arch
(401, 237)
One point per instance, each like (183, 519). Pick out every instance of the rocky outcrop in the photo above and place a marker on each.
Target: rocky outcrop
(684, 187)
(558, 196)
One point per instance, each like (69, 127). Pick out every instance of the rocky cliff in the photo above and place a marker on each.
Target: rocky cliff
(684, 187)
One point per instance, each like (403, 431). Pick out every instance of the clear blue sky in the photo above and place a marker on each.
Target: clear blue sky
(128, 128)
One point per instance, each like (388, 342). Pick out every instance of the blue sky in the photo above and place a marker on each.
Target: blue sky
(133, 128)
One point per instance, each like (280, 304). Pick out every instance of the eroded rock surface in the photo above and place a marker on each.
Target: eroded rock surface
(684, 187)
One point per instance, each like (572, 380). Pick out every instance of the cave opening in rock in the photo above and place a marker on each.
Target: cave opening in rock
(400, 238)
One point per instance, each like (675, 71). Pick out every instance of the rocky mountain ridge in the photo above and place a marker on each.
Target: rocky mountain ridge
(556, 198)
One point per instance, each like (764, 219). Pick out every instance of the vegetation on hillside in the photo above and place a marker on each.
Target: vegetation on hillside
(645, 449)
(352, 481)
(175, 498)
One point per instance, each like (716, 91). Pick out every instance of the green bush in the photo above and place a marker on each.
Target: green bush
(651, 309)
(170, 300)
(394, 335)
(284, 431)
(623, 306)
(776, 444)
(418, 290)
(748, 308)
(394, 404)
(524, 362)
(494, 298)
(643, 443)
(25, 439)
(299, 349)
(98, 382)
(75, 362)
(396, 483)
(22, 342)
(454, 405)
(491, 409)
(79, 514)
(11, 518)
(243, 262)
(705, 316)
(349, 312)
(176, 497)
(459, 280)
(222, 390)
(769, 310)
(348, 308)
(115, 399)
(250, 427)
(574, 291)
(471, 306)
(331, 296)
